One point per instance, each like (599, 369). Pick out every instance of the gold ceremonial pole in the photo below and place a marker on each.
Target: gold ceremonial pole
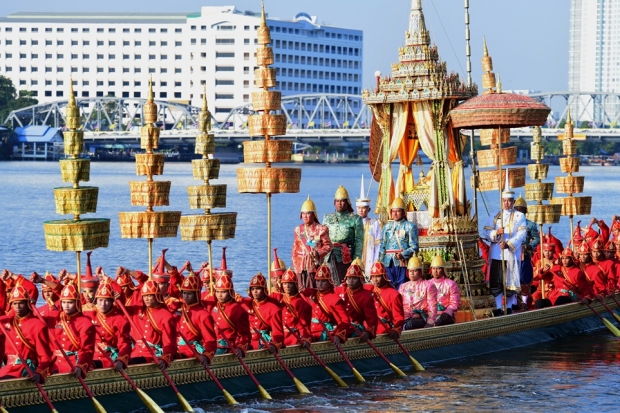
(150, 242)
(269, 241)
(78, 274)
(501, 211)
(211, 286)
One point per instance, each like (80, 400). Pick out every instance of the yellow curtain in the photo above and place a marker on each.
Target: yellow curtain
(407, 152)
(422, 113)
(455, 160)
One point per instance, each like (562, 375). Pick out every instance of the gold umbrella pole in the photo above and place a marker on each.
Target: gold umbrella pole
(472, 155)
(501, 214)
(78, 274)
(211, 287)
(572, 243)
(269, 242)
(150, 242)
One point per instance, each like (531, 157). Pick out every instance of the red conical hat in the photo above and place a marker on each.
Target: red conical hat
(149, 288)
(610, 246)
(615, 226)
(223, 270)
(567, 253)
(88, 279)
(584, 248)
(577, 235)
(191, 283)
(379, 269)
(48, 277)
(355, 269)
(277, 267)
(597, 245)
(105, 290)
(289, 276)
(125, 280)
(160, 270)
(70, 292)
(590, 235)
(549, 243)
(258, 281)
(89, 268)
(323, 273)
(19, 293)
(224, 283)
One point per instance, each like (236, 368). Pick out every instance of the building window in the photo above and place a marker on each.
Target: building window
(177, 44)
(177, 95)
(203, 55)
(85, 70)
(178, 57)
(8, 69)
(9, 42)
(125, 42)
(125, 94)
(22, 55)
(246, 41)
(111, 30)
(126, 30)
(137, 30)
(100, 70)
(152, 30)
(99, 82)
(111, 83)
(22, 82)
(246, 70)
(125, 70)
(163, 94)
(164, 43)
(163, 30)
(177, 70)
(74, 56)
(152, 43)
(152, 70)
(222, 110)
(192, 41)
(59, 93)
(48, 93)
(177, 84)
(74, 70)
(137, 57)
(224, 96)
(163, 57)
(151, 57)
(226, 54)
(136, 94)
(163, 84)
(85, 82)
(163, 70)
(111, 70)
(224, 82)
(99, 56)
(60, 69)
(22, 69)
(100, 30)
(137, 70)
(137, 43)
(85, 56)
(224, 68)
(246, 84)
(125, 57)
(178, 30)
(193, 28)
(48, 69)
(74, 42)
(99, 92)
(22, 42)
(48, 42)
(22, 29)
(203, 68)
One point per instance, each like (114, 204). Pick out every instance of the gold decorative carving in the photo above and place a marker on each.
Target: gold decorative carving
(268, 180)
(149, 224)
(267, 151)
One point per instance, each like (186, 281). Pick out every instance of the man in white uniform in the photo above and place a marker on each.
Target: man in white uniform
(372, 232)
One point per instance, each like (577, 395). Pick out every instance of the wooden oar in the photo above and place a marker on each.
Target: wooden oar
(605, 321)
(333, 374)
(229, 398)
(358, 376)
(186, 406)
(146, 399)
(415, 363)
(260, 388)
(29, 370)
(609, 309)
(380, 354)
(613, 297)
(301, 388)
(98, 407)
(3, 410)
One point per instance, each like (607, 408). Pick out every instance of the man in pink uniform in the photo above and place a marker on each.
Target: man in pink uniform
(419, 297)
(448, 293)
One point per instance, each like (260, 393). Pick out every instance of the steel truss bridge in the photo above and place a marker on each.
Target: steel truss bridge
(336, 119)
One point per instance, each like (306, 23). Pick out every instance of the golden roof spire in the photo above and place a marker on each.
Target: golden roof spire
(71, 93)
(499, 84)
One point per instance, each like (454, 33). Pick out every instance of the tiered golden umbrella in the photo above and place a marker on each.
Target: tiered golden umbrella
(149, 224)
(266, 124)
(209, 226)
(75, 234)
(571, 205)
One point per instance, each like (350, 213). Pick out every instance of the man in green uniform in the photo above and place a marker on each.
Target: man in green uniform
(346, 231)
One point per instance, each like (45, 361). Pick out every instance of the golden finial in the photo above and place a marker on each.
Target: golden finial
(71, 93)
(485, 50)
(568, 118)
(263, 18)
(150, 95)
(205, 107)
(499, 84)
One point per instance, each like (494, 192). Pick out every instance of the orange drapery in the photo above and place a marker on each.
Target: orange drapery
(407, 152)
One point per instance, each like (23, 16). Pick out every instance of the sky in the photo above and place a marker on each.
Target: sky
(527, 39)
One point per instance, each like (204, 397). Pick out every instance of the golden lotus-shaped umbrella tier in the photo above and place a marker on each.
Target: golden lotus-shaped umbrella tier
(150, 112)
(150, 193)
(537, 152)
(490, 157)
(267, 125)
(149, 224)
(538, 171)
(76, 235)
(75, 170)
(149, 137)
(569, 147)
(569, 164)
(205, 169)
(265, 77)
(205, 143)
(544, 214)
(569, 184)
(150, 164)
(72, 116)
(267, 151)
(73, 142)
(208, 227)
(539, 191)
(263, 35)
(76, 200)
(207, 196)
(264, 56)
(268, 180)
(574, 205)
(490, 136)
(488, 179)
(266, 100)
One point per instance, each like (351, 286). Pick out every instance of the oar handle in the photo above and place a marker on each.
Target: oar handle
(594, 311)
(275, 354)
(215, 380)
(341, 351)
(122, 373)
(247, 369)
(372, 345)
(298, 335)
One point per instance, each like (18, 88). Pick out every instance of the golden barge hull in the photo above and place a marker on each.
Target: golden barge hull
(426, 345)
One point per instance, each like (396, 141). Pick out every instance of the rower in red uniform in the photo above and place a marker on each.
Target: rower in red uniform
(544, 272)
(265, 316)
(50, 289)
(277, 270)
(195, 324)
(232, 325)
(113, 330)
(31, 337)
(591, 235)
(609, 267)
(130, 293)
(593, 273)
(170, 295)
(207, 298)
(570, 284)
(296, 313)
(328, 311)
(359, 302)
(388, 302)
(156, 324)
(75, 333)
(89, 284)
(15, 280)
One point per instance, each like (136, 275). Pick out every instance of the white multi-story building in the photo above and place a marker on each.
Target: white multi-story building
(114, 54)
(594, 55)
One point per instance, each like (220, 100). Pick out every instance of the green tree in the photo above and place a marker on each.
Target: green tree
(9, 99)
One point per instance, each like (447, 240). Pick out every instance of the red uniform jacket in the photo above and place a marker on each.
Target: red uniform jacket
(113, 336)
(76, 336)
(232, 326)
(31, 337)
(158, 327)
(389, 306)
(49, 313)
(296, 314)
(548, 276)
(196, 325)
(596, 278)
(360, 307)
(327, 308)
(610, 270)
(265, 316)
(571, 278)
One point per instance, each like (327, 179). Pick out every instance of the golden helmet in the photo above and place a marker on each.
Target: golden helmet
(341, 193)
(520, 202)
(438, 262)
(398, 203)
(414, 263)
(308, 206)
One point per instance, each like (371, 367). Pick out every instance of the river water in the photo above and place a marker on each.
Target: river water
(579, 374)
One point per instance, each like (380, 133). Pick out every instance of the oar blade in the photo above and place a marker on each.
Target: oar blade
(263, 393)
(416, 364)
(184, 404)
(98, 406)
(336, 377)
(397, 370)
(614, 330)
(3, 410)
(301, 388)
(148, 402)
(358, 376)
(616, 316)
(229, 398)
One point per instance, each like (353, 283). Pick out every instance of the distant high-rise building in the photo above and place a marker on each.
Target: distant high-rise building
(114, 54)
(594, 56)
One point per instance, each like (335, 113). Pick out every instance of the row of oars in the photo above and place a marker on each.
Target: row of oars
(154, 408)
(614, 330)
